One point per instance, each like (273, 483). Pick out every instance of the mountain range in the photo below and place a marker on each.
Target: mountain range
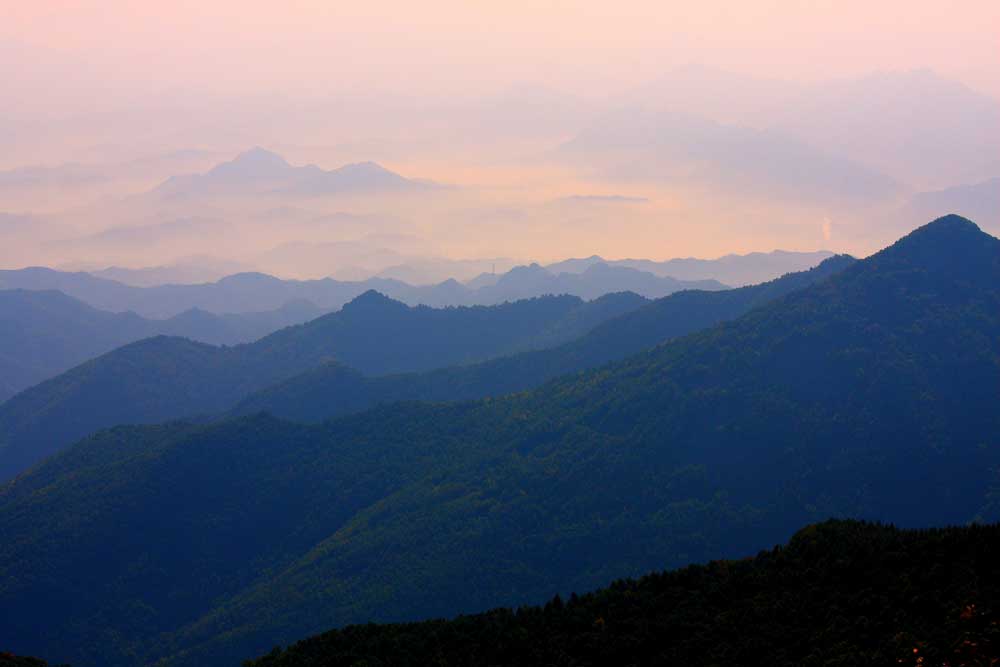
(259, 171)
(334, 389)
(163, 378)
(253, 292)
(920, 114)
(43, 332)
(735, 270)
(664, 146)
(357, 358)
(871, 393)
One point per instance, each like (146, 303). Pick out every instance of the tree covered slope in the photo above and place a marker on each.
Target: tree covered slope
(839, 593)
(334, 389)
(167, 378)
(44, 333)
(870, 395)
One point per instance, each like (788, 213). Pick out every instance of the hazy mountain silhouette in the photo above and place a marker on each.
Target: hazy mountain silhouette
(736, 270)
(186, 271)
(638, 145)
(980, 201)
(252, 292)
(75, 174)
(600, 278)
(167, 378)
(929, 131)
(260, 171)
(43, 333)
(867, 394)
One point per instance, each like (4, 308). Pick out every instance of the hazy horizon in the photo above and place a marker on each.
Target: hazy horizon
(555, 130)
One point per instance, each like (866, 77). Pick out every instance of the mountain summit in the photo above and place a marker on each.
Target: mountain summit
(254, 164)
(258, 171)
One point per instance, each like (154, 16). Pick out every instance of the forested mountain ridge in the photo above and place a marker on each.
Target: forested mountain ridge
(45, 332)
(871, 394)
(839, 593)
(333, 389)
(168, 378)
(11, 660)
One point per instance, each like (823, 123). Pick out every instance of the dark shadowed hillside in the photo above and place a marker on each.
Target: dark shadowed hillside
(839, 593)
(11, 660)
(870, 395)
(167, 378)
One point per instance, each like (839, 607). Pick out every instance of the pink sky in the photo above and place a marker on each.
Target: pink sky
(456, 46)
(422, 87)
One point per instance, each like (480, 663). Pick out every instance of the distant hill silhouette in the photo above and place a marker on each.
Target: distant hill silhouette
(920, 114)
(645, 145)
(736, 270)
(167, 378)
(980, 201)
(251, 292)
(597, 279)
(43, 333)
(870, 394)
(259, 171)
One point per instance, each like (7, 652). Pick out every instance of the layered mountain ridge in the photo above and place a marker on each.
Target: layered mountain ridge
(869, 394)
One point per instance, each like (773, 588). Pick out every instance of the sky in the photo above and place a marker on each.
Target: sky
(884, 100)
(457, 47)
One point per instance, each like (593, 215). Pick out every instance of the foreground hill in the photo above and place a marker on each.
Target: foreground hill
(43, 333)
(839, 593)
(11, 660)
(167, 378)
(333, 389)
(871, 394)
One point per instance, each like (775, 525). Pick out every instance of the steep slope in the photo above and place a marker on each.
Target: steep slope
(332, 389)
(168, 378)
(871, 394)
(44, 333)
(840, 592)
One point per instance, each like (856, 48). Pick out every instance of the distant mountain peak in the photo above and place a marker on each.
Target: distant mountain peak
(260, 170)
(254, 164)
(258, 155)
(366, 167)
(372, 299)
(249, 278)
